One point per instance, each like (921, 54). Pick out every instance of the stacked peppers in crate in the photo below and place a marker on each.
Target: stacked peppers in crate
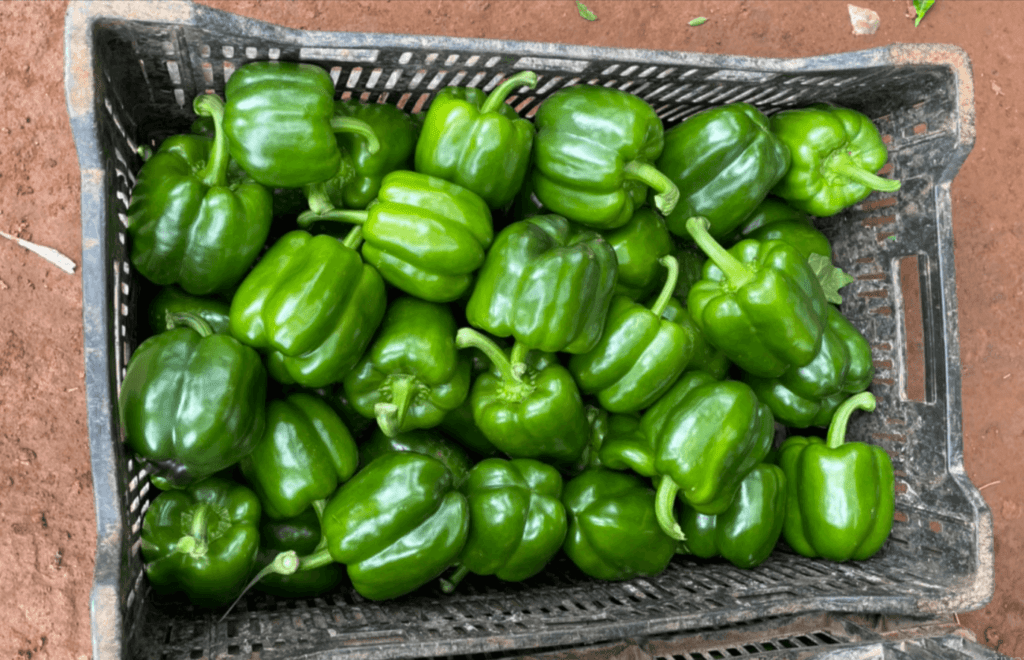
(479, 340)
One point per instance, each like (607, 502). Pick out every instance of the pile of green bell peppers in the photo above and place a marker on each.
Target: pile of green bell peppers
(429, 398)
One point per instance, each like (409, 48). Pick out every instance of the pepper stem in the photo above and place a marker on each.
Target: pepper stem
(341, 124)
(317, 198)
(354, 238)
(520, 352)
(841, 163)
(501, 92)
(668, 192)
(735, 271)
(285, 563)
(306, 218)
(189, 320)
(391, 416)
(468, 337)
(194, 543)
(664, 509)
(672, 264)
(837, 430)
(216, 171)
(448, 584)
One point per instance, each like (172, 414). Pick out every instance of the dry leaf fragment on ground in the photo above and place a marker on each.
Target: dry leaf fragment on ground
(997, 89)
(864, 21)
(48, 253)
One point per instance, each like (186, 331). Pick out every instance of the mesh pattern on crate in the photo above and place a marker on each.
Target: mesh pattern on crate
(152, 72)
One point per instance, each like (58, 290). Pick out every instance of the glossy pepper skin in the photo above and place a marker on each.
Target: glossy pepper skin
(841, 494)
(613, 529)
(412, 374)
(192, 402)
(746, 532)
(171, 300)
(426, 236)
(775, 220)
(707, 436)
(705, 357)
(189, 225)
(546, 283)
(478, 141)
(305, 453)
(397, 525)
(517, 521)
(593, 156)
(809, 395)
(724, 161)
(460, 425)
(312, 305)
(280, 123)
(625, 446)
(639, 245)
(202, 541)
(759, 303)
(421, 441)
(640, 354)
(835, 154)
(528, 405)
(300, 534)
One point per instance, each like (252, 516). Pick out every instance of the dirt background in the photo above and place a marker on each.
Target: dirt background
(47, 520)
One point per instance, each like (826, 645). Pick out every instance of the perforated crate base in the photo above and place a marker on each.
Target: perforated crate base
(132, 70)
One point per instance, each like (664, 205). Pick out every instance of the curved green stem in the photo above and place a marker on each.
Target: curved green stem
(216, 171)
(468, 337)
(194, 544)
(354, 238)
(664, 509)
(501, 92)
(391, 416)
(317, 198)
(841, 163)
(318, 507)
(837, 430)
(306, 218)
(448, 584)
(667, 192)
(189, 320)
(341, 124)
(672, 264)
(735, 271)
(520, 352)
(285, 563)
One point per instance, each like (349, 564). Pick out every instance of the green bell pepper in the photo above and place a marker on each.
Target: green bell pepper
(775, 220)
(691, 268)
(639, 245)
(707, 436)
(517, 521)
(397, 525)
(746, 532)
(280, 123)
(412, 374)
(724, 161)
(841, 494)
(528, 405)
(705, 357)
(171, 300)
(626, 447)
(305, 453)
(809, 395)
(312, 304)
(426, 236)
(835, 153)
(613, 529)
(189, 224)
(421, 441)
(477, 140)
(460, 425)
(593, 156)
(640, 354)
(759, 303)
(547, 284)
(192, 402)
(202, 541)
(301, 535)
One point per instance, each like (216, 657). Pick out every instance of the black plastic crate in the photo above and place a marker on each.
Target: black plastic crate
(132, 70)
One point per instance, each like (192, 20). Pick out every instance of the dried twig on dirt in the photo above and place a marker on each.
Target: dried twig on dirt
(48, 253)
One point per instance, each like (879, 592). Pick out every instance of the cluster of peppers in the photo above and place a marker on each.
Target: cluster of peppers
(576, 333)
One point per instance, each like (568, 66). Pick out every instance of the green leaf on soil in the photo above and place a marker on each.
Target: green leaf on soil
(589, 15)
(701, 20)
(832, 278)
(922, 7)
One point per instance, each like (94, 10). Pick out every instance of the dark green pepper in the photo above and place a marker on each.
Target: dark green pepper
(312, 304)
(746, 532)
(189, 225)
(192, 402)
(516, 520)
(421, 441)
(775, 220)
(593, 156)
(724, 161)
(705, 357)
(639, 245)
(412, 374)
(759, 303)
(613, 529)
(172, 300)
(547, 284)
(835, 153)
(301, 535)
(459, 424)
(626, 447)
(305, 453)
(841, 494)
(477, 140)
